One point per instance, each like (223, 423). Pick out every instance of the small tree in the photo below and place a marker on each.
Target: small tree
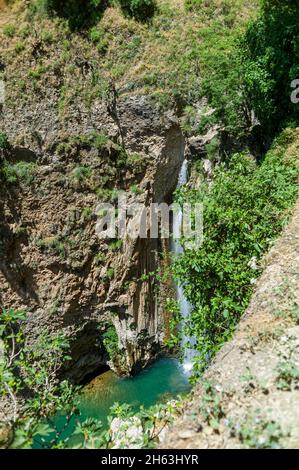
(271, 50)
(141, 10)
(79, 13)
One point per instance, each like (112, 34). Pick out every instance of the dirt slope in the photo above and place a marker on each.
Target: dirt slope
(251, 394)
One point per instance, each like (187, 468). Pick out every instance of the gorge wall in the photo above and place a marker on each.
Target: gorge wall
(52, 263)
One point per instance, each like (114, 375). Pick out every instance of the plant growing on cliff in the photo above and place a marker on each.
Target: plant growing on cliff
(172, 307)
(270, 51)
(252, 71)
(288, 375)
(111, 341)
(23, 172)
(257, 432)
(91, 434)
(4, 142)
(82, 14)
(52, 245)
(211, 406)
(9, 30)
(81, 174)
(150, 422)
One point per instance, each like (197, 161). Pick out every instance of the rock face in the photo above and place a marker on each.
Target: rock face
(52, 263)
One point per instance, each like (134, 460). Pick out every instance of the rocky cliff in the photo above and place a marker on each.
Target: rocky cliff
(62, 160)
(77, 137)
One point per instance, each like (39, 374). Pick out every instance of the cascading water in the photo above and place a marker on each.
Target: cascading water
(187, 343)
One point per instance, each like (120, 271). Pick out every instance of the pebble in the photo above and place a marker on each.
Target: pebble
(186, 434)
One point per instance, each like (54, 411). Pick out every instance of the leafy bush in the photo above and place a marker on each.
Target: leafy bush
(98, 140)
(19, 47)
(110, 341)
(19, 172)
(288, 375)
(198, 5)
(9, 30)
(256, 432)
(4, 143)
(243, 211)
(222, 79)
(79, 13)
(116, 245)
(29, 372)
(251, 71)
(100, 37)
(211, 406)
(141, 10)
(81, 173)
(271, 50)
(52, 245)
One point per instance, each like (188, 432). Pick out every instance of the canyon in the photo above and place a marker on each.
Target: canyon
(107, 334)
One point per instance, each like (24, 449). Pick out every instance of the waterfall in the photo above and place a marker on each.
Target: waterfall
(187, 343)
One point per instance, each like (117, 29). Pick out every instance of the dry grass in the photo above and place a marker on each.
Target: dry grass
(161, 58)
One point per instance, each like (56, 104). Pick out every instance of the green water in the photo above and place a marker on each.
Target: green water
(164, 379)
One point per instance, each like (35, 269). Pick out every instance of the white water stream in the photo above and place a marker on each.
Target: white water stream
(176, 248)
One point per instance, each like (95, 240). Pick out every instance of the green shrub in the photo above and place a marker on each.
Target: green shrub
(87, 214)
(30, 371)
(141, 10)
(110, 341)
(99, 37)
(19, 47)
(271, 62)
(107, 195)
(110, 273)
(212, 149)
(19, 172)
(37, 72)
(135, 189)
(9, 30)
(288, 375)
(81, 173)
(251, 71)
(222, 79)
(116, 245)
(47, 37)
(4, 143)
(256, 432)
(53, 245)
(98, 140)
(79, 13)
(195, 5)
(211, 406)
